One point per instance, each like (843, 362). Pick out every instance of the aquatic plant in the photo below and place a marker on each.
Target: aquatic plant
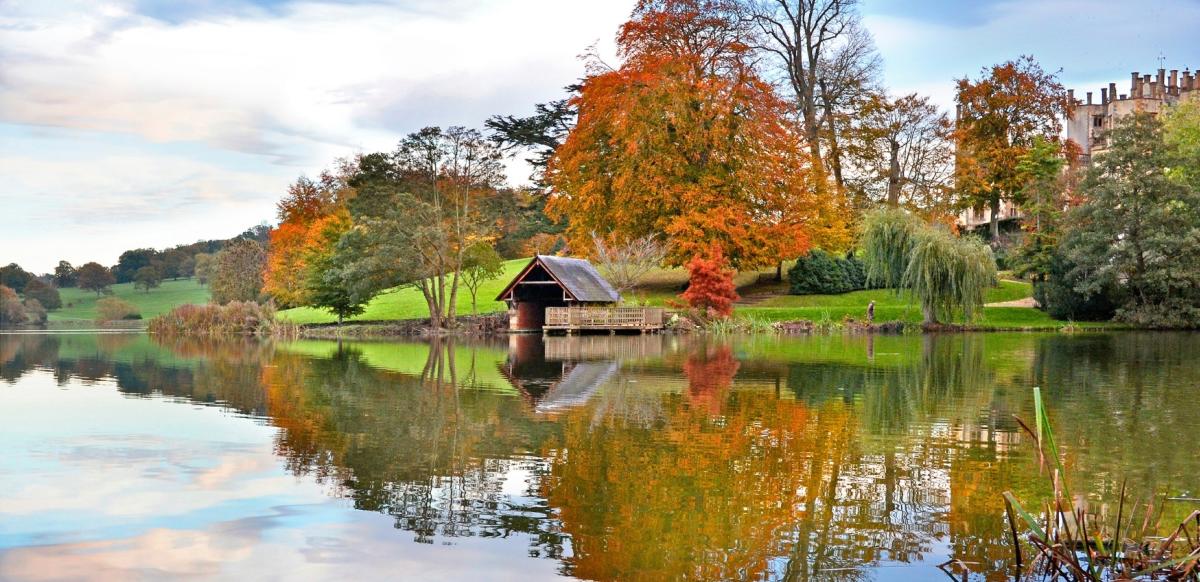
(1069, 543)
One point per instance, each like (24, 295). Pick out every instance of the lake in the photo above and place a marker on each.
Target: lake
(601, 458)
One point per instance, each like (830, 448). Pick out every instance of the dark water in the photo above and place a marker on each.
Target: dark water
(597, 458)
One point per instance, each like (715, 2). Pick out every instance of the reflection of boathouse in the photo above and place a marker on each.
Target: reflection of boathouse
(567, 294)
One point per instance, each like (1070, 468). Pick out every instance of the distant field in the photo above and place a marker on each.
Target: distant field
(80, 305)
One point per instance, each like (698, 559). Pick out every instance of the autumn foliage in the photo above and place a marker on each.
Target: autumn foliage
(686, 140)
(710, 284)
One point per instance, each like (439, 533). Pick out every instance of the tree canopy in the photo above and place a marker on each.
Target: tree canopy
(685, 139)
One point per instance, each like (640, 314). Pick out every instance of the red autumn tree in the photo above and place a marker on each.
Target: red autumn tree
(687, 142)
(710, 284)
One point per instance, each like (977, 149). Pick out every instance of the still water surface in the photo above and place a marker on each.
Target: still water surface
(642, 458)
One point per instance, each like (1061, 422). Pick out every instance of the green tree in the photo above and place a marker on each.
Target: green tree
(328, 283)
(480, 263)
(132, 260)
(44, 293)
(416, 212)
(95, 277)
(1181, 131)
(1041, 170)
(1139, 227)
(237, 273)
(944, 273)
(65, 275)
(14, 277)
(147, 278)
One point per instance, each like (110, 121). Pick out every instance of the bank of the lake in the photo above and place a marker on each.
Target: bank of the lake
(400, 311)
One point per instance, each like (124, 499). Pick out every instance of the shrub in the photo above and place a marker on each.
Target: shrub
(819, 272)
(34, 311)
(1058, 297)
(710, 285)
(113, 309)
(11, 310)
(233, 318)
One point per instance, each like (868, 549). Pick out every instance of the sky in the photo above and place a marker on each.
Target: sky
(151, 123)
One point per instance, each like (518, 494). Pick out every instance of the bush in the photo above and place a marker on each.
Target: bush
(11, 310)
(35, 312)
(819, 272)
(1058, 297)
(113, 309)
(233, 318)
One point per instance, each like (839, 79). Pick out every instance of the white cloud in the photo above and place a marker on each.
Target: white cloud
(305, 83)
(255, 97)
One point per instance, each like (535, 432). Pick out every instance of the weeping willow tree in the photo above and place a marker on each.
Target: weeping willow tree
(946, 274)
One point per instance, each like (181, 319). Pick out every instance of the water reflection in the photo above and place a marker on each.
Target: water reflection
(684, 457)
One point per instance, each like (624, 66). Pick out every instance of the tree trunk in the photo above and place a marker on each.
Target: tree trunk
(893, 191)
(929, 315)
(779, 272)
(994, 227)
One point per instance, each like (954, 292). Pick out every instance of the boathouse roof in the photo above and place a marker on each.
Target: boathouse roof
(577, 277)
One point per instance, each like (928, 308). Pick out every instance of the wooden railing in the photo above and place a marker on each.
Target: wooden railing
(604, 317)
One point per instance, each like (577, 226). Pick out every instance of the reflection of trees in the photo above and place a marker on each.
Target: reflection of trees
(417, 448)
(690, 460)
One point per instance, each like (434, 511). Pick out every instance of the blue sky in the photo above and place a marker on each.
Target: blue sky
(127, 123)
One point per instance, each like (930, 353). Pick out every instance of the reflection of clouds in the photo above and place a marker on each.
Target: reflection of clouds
(267, 548)
(147, 476)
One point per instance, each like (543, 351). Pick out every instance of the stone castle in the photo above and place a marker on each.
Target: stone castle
(1090, 119)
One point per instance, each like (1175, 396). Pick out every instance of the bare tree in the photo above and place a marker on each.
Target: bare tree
(901, 153)
(624, 264)
(828, 62)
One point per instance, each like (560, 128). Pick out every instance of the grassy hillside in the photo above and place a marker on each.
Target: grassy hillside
(407, 302)
(81, 305)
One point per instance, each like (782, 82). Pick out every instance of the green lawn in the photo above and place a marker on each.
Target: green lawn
(1007, 291)
(664, 284)
(80, 305)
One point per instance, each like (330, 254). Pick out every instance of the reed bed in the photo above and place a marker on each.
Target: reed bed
(238, 318)
(1061, 540)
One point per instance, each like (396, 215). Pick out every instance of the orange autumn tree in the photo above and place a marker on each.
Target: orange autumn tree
(685, 141)
(1000, 117)
(304, 217)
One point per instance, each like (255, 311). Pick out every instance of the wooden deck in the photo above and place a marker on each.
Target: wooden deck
(611, 319)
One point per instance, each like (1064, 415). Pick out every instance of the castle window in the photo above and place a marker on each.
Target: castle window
(1098, 121)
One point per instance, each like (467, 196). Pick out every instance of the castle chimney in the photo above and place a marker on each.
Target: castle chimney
(1154, 89)
(1104, 95)
(1112, 92)
(1173, 86)
(1089, 96)
(1161, 83)
(1071, 96)
(1145, 86)
(1136, 80)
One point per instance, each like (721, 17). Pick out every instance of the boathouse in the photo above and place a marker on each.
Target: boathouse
(568, 295)
(548, 282)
